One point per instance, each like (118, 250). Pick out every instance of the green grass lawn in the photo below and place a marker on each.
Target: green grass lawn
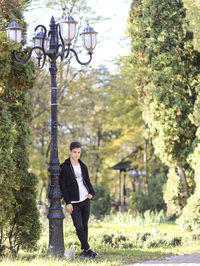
(119, 239)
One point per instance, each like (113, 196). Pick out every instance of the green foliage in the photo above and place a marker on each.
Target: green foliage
(26, 226)
(141, 239)
(101, 204)
(190, 218)
(166, 74)
(116, 240)
(193, 9)
(7, 139)
(152, 199)
(156, 238)
(145, 219)
(128, 245)
(19, 218)
(78, 8)
(155, 192)
(174, 194)
(139, 201)
(124, 119)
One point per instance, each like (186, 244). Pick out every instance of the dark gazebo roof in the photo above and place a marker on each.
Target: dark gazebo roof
(123, 165)
(126, 163)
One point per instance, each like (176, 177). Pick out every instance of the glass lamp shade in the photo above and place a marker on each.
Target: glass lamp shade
(68, 29)
(132, 172)
(38, 42)
(144, 172)
(14, 31)
(89, 38)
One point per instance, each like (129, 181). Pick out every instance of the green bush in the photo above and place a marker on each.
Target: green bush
(26, 227)
(101, 203)
(155, 192)
(117, 240)
(146, 239)
(112, 240)
(138, 201)
(163, 241)
(190, 218)
(195, 236)
(153, 199)
(155, 239)
(142, 236)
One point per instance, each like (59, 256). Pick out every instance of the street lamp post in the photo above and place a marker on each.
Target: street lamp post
(58, 40)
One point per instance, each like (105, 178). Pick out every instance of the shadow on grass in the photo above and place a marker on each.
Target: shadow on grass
(108, 257)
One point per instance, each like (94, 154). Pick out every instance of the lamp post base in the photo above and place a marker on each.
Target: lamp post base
(56, 243)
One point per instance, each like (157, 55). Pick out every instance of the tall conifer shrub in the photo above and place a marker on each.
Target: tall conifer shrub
(19, 217)
(166, 74)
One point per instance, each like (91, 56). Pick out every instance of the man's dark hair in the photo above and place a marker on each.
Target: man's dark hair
(75, 144)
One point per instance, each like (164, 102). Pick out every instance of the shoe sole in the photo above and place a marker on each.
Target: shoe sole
(93, 257)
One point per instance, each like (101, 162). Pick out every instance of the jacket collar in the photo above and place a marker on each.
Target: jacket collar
(67, 161)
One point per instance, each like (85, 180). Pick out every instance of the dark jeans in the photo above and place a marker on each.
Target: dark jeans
(80, 217)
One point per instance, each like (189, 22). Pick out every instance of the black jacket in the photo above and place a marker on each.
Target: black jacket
(68, 183)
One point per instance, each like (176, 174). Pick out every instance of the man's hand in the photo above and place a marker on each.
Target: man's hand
(69, 208)
(89, 196)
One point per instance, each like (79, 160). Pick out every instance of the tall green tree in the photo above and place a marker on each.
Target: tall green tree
(166, 74)
(19, 226)
(192, 12)
(124, 117)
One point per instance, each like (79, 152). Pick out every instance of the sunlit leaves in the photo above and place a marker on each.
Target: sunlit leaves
(165, 77)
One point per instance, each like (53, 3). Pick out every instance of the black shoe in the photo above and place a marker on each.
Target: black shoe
(91, 253)
(83, 254)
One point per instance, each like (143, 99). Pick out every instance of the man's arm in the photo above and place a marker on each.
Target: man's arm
(63, 186)
(64, 191)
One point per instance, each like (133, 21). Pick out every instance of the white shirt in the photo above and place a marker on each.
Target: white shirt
(79, 178)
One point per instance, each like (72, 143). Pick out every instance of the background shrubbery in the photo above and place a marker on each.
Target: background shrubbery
(152, 199)
(190, 218)
(101, 203)
(123, 231)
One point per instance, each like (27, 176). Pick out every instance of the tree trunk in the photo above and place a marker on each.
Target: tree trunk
(40, 194)
(184, 181)
(98, 160)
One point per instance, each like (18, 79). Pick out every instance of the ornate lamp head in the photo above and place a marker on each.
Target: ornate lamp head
(68, 29)
(89, 38)
(14, 31)
(38, 40)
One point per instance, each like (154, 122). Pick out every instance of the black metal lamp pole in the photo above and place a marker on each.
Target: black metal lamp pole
(55, 216)
(64, 32)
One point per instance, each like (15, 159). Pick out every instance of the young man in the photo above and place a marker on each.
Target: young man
(77, 192)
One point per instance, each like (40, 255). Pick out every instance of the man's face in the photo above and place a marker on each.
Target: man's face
(75, 154)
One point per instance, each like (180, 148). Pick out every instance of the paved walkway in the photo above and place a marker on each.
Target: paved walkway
(179, 260)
